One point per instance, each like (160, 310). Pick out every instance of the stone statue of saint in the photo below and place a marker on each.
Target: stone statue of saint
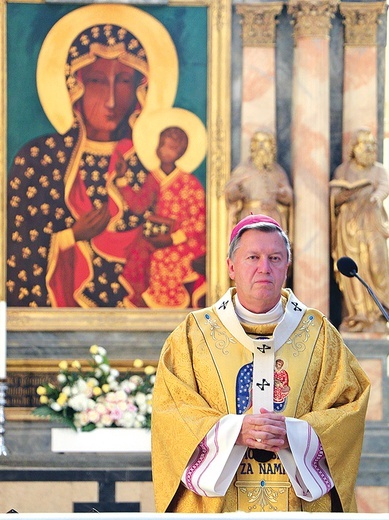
(260, 185)
(360, 230)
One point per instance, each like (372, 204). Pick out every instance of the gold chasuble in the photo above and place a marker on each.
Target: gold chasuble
(315, 379)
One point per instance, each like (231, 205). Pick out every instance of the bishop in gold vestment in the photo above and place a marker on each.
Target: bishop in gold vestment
(204, 387)
(192, 396)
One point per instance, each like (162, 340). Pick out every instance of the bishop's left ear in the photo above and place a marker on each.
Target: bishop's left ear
(231, 270)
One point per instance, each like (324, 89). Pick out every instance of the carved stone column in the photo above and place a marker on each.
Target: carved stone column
(310, 150)
(360, 67)
(258, 75)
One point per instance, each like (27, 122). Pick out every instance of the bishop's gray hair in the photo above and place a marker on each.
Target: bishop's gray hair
(266, 228)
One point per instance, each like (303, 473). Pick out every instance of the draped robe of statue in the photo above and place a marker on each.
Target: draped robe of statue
(360, 230)
(254, 190)
(197, 388)
(260, 185)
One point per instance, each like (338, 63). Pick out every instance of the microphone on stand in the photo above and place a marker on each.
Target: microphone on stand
(349, 268)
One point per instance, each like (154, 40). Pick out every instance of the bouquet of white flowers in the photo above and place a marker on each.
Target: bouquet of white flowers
(98, 398)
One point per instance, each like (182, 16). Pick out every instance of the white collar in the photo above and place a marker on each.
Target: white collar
(273, 316)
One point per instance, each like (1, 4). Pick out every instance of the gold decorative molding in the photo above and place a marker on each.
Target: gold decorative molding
(361, 21)
(219, 125)
(312, 18)
(259, 24)
(21, 319)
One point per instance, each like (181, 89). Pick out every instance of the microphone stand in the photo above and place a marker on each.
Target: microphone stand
(370, 291)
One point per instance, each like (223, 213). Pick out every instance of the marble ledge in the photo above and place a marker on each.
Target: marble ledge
(365, 336)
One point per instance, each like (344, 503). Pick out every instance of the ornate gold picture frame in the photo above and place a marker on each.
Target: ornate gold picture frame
(218, 29)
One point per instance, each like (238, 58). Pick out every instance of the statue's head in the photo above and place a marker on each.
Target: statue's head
(363, 148)
(263, 149)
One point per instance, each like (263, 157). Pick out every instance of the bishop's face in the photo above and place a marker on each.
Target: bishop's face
(259, 268)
